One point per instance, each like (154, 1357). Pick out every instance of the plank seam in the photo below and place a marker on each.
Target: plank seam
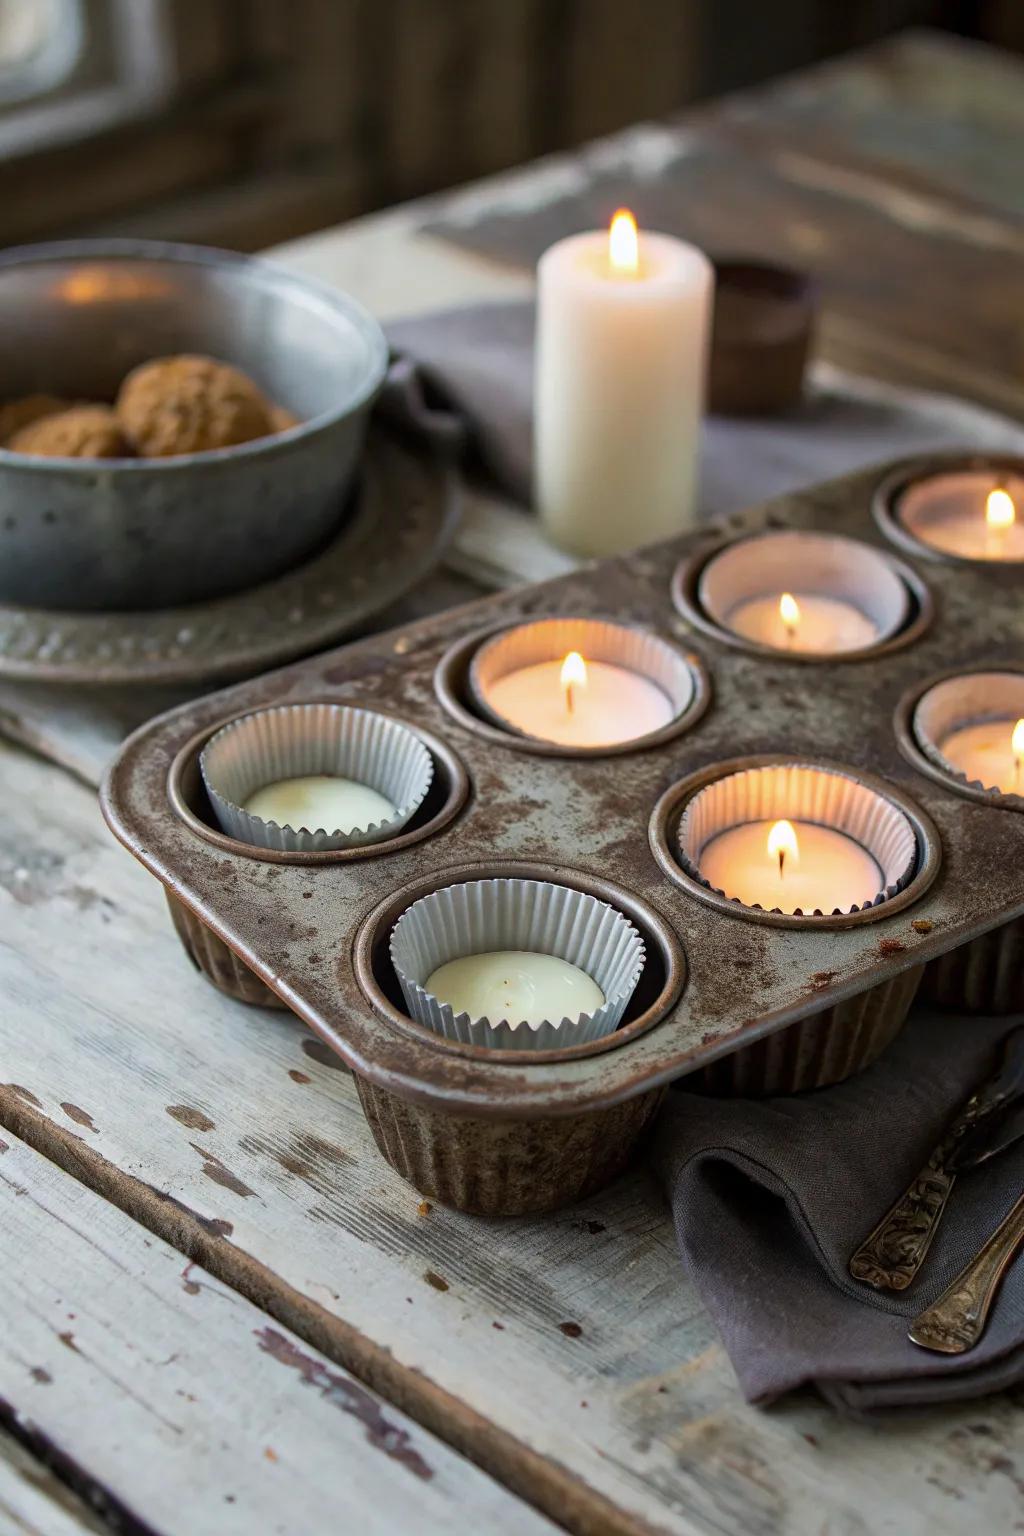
(539, 1481)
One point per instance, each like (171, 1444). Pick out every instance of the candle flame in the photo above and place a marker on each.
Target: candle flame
(1000, 512)
(782, 843)
(574, 675)
(1017, 741)
(789, 613)
(623, 245)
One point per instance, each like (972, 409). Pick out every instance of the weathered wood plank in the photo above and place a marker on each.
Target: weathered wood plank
(187, 1407)
(233, 1134)
(34, 1502)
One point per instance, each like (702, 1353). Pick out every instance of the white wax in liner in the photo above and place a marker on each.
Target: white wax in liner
(947, 512)
(984, 753)
(615, 704)
(516, 985)
(826, 624)
(320, 802)
(831, 872)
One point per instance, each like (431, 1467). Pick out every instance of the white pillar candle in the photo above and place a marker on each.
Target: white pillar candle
(803, 621)
(516, 985)
(320, 802)
(820, 869)
(622, 340)
(968, 513)
(990, 753)
(579, 703)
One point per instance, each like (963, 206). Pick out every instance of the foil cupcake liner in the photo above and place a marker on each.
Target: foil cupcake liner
(802, 792)
(482, 916)
(970, 698)
(825, 564)
(291, 741)
(540, 640)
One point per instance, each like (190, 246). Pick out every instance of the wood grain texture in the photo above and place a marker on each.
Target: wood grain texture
(183, 1405)
(34, 1502)
(568, 1355)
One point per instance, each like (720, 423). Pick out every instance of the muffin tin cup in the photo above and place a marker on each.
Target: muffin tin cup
(476, 917)
(289, 741)
(964, 699)
(984, 976)
(718, 580)
(505, 1167)
(214, 960)
(800, 790)
(466, 667)
(909, 533)
(825, 1048)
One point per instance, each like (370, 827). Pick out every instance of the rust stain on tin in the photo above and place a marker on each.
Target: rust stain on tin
(348, 1396)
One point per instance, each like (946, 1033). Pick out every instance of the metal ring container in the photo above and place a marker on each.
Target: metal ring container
(77, 316)
(504, 1131)
(985, 975)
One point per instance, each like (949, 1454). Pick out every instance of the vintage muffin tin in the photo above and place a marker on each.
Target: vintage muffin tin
(723, 986)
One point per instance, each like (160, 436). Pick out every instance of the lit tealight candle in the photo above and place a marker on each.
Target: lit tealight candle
(792, 867)
(579, 703)
(516, 985)
(990, 753)
(320, 802)
(962, 513)
(808, 621)
(622, 339)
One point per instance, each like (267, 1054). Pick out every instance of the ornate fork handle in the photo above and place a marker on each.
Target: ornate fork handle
(890, 1256)
(957, 1320)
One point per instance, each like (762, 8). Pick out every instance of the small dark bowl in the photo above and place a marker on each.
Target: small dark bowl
(153, 533)
(761, 338)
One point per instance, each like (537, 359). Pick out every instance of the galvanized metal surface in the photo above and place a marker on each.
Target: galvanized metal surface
(295, 926)
(78, 315)
(406, 511)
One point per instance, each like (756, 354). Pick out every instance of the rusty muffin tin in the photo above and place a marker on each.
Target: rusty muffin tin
(497, 1131)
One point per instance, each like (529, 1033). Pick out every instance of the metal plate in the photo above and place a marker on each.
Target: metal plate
(296, 927)
(406, 512)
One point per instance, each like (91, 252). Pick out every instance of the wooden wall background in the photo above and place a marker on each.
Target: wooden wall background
(288, 115)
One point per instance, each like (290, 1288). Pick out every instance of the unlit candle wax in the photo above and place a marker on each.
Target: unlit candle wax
(320, 802)
(516, 985)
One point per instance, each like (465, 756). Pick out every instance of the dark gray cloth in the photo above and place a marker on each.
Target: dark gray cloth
(771, 1198)
(480, 360)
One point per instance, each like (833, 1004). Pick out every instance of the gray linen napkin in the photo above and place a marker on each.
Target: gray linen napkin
(479, 360)
(770, 1199)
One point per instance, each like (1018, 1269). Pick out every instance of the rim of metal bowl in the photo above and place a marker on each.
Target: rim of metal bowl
(275, 275)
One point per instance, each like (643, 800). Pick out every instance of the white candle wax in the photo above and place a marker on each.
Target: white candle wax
(620, 371)
(948, 513)
(614, 705)
(825, 624)
(985, 753)
(831, 871)
(320, 802)
(516, 985)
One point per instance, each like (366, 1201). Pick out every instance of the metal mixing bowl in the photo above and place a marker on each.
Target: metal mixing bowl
(147, 533)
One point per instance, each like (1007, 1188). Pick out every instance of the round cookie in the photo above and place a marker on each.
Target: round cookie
(83, 432)
(15, 414)
(189, 404)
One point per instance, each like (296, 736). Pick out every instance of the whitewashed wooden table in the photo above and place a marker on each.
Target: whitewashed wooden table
(222, 1312)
